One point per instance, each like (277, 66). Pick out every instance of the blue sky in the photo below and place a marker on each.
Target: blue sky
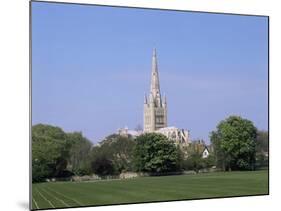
(91, 67)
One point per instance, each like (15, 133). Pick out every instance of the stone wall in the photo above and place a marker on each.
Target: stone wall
(128, 175)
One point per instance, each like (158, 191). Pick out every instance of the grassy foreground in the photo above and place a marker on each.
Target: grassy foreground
(145, 189)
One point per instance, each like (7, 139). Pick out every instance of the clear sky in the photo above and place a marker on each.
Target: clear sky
(91, 66)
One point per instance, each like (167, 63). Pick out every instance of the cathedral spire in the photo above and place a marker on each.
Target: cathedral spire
(154, 85)
(165, 100)
(155, 110)
(145, 99)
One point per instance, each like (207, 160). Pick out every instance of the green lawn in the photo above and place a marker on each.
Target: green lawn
(145, 189)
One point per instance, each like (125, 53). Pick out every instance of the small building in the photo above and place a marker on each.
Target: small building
(205, 152)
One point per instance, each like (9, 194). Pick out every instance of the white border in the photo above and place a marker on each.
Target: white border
(14, 104)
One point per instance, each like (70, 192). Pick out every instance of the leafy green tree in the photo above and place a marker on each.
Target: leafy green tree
(118, 150)
(262, 149)
(50, 151)
(180, 158)
(209, 161)
(103, 166)
(234, 143)
(122, 153)
(194, 160)
(262, 141)
(79, 154)
(155, 153)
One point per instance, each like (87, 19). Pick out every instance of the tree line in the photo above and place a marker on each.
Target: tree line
(236, 145)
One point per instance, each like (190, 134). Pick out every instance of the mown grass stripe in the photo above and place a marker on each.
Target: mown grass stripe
(36, 205)
(58, 199)
(45, 198)
(58, 193)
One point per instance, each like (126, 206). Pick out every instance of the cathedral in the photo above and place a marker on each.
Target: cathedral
(155, 112)
(155, 107)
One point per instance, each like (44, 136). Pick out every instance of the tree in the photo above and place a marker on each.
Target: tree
(50, 151)
(79, 159)
(103, 166)
(155, 153)
(262, 149)
(194, 161)
(121, 151)
(234, 143)
(209, 161)
(262, 141)
(116, 149)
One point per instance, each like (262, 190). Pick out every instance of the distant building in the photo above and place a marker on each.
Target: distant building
(180, 136)
(199, 143)
(155, 107)
(205, 152)
(155, 110)
(126, 132)
(200, 147)
(155, 113)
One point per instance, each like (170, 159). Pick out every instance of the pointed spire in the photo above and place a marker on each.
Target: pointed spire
(154, 86)
(154, 52)
(165, 99)
(145, 99)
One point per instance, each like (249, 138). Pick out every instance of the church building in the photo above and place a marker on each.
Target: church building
(155, 110)
(155, 107)
(155, 113)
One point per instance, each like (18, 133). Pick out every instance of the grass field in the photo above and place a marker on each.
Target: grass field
(145, 189)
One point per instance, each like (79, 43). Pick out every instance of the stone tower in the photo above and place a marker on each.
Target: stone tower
(155, 108)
